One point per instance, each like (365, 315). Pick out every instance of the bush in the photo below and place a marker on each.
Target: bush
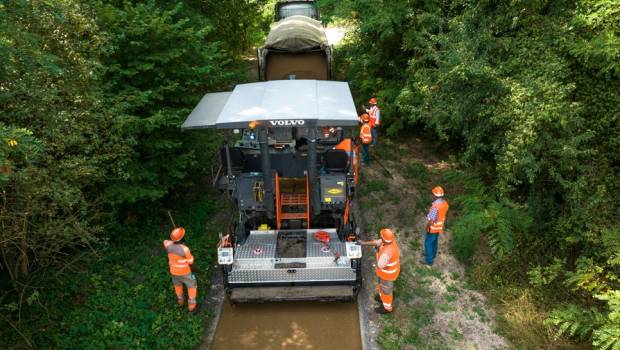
(479, 213)
(529, 96)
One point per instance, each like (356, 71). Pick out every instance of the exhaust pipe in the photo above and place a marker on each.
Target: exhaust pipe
(313, 181)
(267, 172)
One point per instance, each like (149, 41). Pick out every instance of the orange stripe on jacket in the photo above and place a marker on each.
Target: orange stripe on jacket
(392, 269)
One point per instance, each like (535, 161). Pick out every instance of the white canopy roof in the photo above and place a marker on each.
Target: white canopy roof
(278, 103)
(296, 33)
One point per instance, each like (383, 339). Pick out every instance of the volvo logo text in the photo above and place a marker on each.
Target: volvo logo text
(293, 122)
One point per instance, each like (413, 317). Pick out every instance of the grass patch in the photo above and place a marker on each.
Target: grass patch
(453, 289)
(406, 216)
(456, 335)
(406, 328)
(422, 206)
(420, 291)
(416, 171)
(401, 285)
(394, 198)
(445, 307)
(414, 311)
(380, 218)
(369, 204)
(391, 338)
(375, 186)
(481, 313)
(126, 300)
(415, 245)
(428, 272)
(385, 151)
(520, 314)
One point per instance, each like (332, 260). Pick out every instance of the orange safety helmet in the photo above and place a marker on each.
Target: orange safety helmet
(387, 235)
(177, 234)
(365, 117)
(438, 191)
(373, 101)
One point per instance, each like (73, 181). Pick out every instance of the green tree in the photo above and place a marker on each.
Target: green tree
(49, 90)
(157, 67)
(92, 96)
(528, 93)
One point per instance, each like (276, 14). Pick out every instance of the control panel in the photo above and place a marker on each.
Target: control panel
(225, 256)
(333, 189)
(354, 250)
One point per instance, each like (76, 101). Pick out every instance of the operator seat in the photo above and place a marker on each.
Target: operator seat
(335, 160)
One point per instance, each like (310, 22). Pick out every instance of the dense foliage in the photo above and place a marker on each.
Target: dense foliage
(92, 95)
(528, 92)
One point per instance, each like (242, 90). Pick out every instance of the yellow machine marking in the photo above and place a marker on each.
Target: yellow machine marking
(334, 191)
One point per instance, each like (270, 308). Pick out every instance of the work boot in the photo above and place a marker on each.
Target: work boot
(378, 298)
(381, 310)
(423, 262)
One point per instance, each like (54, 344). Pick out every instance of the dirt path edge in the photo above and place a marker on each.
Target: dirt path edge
(369, 321)
(213, 301)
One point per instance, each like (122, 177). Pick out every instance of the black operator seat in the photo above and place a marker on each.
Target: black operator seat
(336, 160)
(236, 158)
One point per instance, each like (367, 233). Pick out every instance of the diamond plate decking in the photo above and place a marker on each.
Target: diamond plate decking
(254, 261)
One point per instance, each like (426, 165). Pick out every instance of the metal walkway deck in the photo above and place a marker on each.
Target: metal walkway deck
(256, 261)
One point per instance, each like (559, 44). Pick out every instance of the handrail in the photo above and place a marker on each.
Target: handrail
(217, 175)
(346, 212)
(307, 202)
(277, 201)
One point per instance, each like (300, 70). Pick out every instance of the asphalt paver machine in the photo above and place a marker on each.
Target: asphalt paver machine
(289, 162)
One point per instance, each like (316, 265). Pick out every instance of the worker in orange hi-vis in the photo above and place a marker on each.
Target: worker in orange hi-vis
(436, 219)
(375, 119)
(388, 267)
(179, 260)
(366, 137)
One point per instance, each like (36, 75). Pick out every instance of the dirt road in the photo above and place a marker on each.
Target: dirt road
(283, 325)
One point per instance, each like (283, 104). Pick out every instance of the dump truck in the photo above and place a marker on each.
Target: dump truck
(296, 46)
(288, 8)
(289, 164)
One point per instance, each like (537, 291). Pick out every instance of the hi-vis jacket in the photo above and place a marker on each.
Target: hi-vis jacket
(375, 115)
(366, 134)
(391, 270)
(441, 205)
(179, 258)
